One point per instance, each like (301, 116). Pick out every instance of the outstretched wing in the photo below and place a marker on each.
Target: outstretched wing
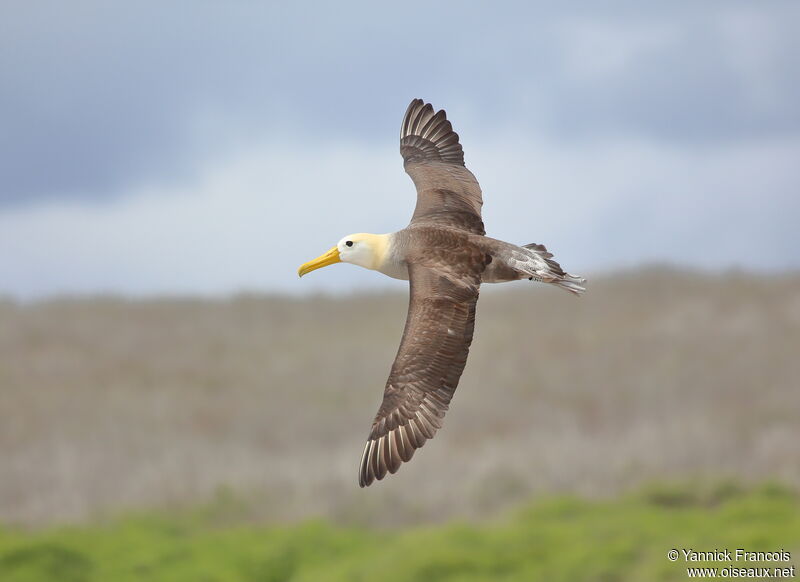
(447, 192)
(425, 373)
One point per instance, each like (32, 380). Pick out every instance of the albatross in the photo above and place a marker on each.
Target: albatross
(445, 255)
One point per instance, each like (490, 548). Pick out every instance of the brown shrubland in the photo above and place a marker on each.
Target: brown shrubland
(109, 404)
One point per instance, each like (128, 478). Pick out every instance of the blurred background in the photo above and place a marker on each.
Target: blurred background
(176, 404)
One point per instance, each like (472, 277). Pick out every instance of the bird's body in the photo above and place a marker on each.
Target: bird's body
(445, 255)
(506, 261)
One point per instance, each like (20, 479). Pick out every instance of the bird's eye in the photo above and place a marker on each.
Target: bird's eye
(349, 243)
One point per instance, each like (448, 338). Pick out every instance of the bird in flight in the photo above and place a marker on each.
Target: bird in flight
(445, 256)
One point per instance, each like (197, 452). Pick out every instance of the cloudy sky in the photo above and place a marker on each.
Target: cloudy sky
(210, 147)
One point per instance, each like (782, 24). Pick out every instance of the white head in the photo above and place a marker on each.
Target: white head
(362, 249)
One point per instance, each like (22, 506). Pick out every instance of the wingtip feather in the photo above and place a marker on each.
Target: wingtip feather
(426, 134)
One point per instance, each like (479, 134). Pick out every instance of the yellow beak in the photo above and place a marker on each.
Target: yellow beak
(329, 258)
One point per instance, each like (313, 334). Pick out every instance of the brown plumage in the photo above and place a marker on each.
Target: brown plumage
(444, 254)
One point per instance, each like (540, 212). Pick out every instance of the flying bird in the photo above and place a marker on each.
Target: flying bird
(445, 256)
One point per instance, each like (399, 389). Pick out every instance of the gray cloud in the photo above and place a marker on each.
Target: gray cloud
(96, 98)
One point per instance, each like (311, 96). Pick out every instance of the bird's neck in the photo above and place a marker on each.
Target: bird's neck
(380, 247)
(386, 259)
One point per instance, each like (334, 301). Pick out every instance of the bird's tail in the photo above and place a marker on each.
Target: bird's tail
(554, 273)
(572, 283)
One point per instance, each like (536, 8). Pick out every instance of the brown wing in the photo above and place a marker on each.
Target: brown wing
(447, 192)
(425, 373)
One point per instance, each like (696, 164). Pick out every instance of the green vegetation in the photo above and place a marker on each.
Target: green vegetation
(557, 538)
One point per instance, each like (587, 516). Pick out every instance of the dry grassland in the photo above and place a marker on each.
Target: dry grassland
(107, 404)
